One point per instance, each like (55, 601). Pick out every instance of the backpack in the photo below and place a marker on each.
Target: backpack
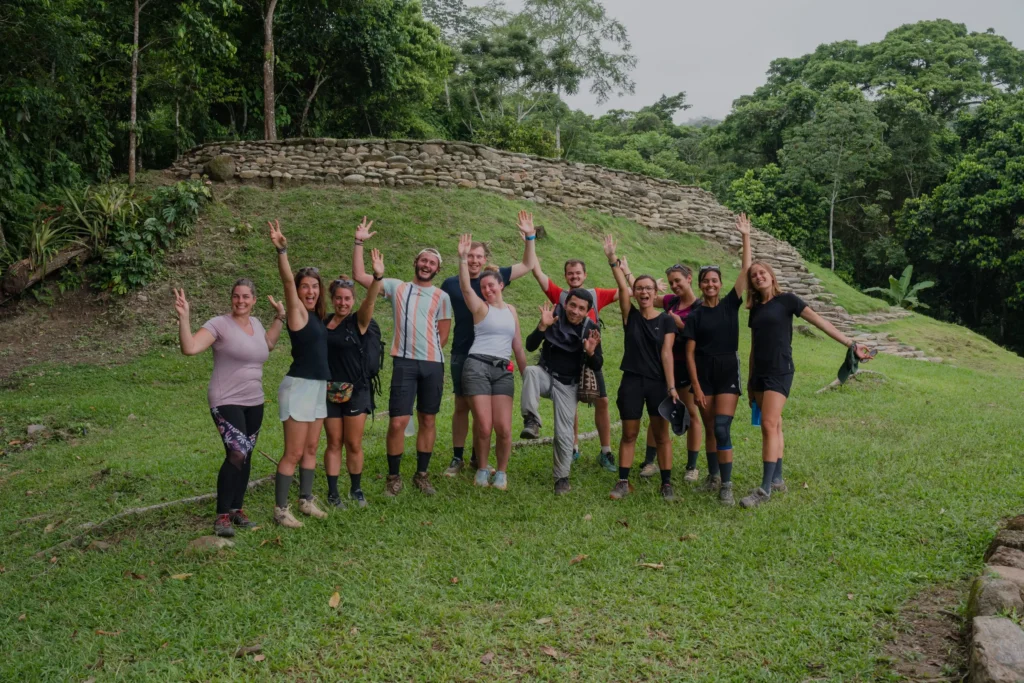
(371, 351)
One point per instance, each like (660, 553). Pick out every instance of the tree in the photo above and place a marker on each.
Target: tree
(839, 149)
(269, 117)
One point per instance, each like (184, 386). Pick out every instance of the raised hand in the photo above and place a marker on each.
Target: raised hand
(377, 259)
(363, 230)
(180, 303)
(662, 285)
(465, 245)
(547, 316)
(609, 247)
(624, 264)
(743, 224)
(525, 224)
(276, 236)
(591, 342)
(277, 305)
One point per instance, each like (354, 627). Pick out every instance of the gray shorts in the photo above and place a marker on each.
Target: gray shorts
(487, 376)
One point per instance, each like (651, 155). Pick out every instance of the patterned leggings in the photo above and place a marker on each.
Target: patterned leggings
(239, 427)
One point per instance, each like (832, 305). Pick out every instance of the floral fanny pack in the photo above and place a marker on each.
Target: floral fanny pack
(339, 392)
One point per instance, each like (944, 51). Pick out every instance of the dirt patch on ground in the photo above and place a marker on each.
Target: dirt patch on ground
(929, 641)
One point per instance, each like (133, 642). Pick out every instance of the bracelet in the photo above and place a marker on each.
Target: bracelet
(282, 250)
(279, 318)
(530, 238)
(378, 279)
(359, 243)
(616, 263)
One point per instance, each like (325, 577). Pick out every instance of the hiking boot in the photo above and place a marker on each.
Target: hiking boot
(307, 506)
(500, 481)
(667, 492)
(562, 486)
(222, 526)
(531, 428)
(621, 490)
(606, 461)
(779, 486)
(336, 501)
(359, 498)
(725, 496)
(239, 519)
(285, 518)
(691, 475)
(481, 478)
(421, 480)
(712, 483)
(756, 497)
(454, 468)
(649, 469)
(393, 485)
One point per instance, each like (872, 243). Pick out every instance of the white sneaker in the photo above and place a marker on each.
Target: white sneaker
(692, 475)
(500, 481)
(285, 518)
(307, 506)
(649, 470)
(481, 478)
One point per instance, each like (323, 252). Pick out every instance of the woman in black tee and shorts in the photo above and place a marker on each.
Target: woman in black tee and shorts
(648, 375)
(771, 365)
(349, 394)
(712, 356)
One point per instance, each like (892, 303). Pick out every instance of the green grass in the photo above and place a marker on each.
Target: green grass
(854, 301)
(905, 482)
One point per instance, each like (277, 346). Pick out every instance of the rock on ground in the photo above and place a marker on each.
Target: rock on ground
(206, 544)
(1008, 538)
(991, 596)
(997, 651)
(220, 168)
(1007, 557)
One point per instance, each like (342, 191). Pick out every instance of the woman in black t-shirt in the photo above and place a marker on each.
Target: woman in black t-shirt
(712, 357)
(349, 394)
(648, 375)
(770, 373)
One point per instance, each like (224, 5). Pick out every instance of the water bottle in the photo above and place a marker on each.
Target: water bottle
(410, 429)
(755, 414)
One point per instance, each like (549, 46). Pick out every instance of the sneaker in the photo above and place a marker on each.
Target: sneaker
(621, 490)
(691, 475)
(667, 492)
(454, 468)
(500, 481)
(285, 518)
(606, 461)
(336, 501)
(481, 478)
(393, 485)
(421, 480)
(562, 486)
(358, 497)
(222, 526)
(779, 486)
(649, 470)
(531, 428)
(239, 519)
(756, 497)
(307, 506)
(725, 496)
(712, 483)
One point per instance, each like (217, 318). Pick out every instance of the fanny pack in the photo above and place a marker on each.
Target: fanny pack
(503, 363)
(339, 392)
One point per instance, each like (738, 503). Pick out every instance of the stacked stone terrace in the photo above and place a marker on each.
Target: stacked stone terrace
(657, 204)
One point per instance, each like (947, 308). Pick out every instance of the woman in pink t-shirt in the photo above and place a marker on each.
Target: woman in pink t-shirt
(240, 348)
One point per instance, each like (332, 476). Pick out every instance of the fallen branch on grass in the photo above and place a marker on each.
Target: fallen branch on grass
(834, 384)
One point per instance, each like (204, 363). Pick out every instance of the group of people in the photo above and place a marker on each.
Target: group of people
(680, 351)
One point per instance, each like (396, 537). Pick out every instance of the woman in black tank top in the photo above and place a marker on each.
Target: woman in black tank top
(302, 397)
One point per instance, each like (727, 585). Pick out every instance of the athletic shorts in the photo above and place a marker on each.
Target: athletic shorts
(636, 391)
(303, 400)
(487, 376)
(457, 361)
(418, 382)
(778, 383)
(360, 404)
(719, 374)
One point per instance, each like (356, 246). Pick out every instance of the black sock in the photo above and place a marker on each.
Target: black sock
(332, 486)
(394, 465)
(777, 476)
(356, 484)
(624, 473)
(423, 460)
(766, 477)
(713, 463)
(651, 456)
(458, 451)
(306, 482)
(281, 485)
(666, 477)
(725, 469)
(691, 459)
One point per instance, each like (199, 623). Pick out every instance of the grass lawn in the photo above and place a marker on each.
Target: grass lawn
(895, 486)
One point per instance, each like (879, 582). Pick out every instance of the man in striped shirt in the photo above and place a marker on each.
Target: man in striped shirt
(422, 320)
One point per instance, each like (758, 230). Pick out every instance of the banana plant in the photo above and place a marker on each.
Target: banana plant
(901, 293)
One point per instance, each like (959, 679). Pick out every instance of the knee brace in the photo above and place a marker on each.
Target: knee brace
(723, 427)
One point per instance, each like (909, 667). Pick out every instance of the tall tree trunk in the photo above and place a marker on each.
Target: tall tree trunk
(447, 95)
(831, 222)
(558, 126)
(177, 128)
(269, 122)
(132, 137)
(320, 80)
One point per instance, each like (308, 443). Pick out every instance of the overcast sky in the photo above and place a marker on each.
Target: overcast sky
(716, 51)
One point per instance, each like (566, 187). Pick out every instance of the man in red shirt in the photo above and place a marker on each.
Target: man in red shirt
(575, 273)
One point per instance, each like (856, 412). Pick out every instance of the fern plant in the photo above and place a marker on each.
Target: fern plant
(901, 293)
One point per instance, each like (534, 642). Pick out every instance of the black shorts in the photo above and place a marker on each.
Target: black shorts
(719, 374)
(636, 391)
(361, 403)
(778, 383)
(457, 360)
(416, 381)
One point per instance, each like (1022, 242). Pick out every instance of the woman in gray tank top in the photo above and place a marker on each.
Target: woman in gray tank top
(487, 375)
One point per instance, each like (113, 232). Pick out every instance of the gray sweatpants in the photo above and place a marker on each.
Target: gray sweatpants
(536, 384)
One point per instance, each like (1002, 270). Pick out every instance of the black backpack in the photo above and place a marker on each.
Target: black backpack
(371, 349)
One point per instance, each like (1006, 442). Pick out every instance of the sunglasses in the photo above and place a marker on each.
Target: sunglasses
(679, 268)
(343, 282)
